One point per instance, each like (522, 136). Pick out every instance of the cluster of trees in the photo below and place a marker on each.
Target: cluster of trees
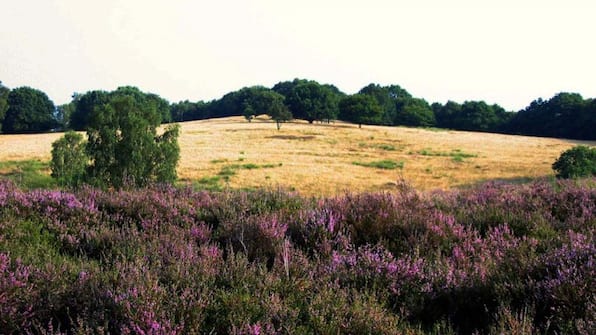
(566, 115)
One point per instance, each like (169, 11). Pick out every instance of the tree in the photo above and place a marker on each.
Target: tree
(84, 105)
(29, 111)
(258, 100)
(188, 111)
(472, 116)
(276, 108)
(63, 113)
(445, 114)
(414, 113)
(566, 115)
(69, 159)
(579, 161)
(311, 101)
(123, 144)
(387, 97)
(360, 108)
(476, 115)
(4, 91)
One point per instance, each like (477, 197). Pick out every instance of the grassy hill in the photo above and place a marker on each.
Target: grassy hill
(329, 159)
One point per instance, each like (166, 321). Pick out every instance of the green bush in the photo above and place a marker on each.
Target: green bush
(69, 159)
(122, 149)
(579, 161)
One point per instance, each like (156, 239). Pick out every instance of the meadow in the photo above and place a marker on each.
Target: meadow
(330, 159)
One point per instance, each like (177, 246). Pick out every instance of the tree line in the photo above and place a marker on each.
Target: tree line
(566, 115)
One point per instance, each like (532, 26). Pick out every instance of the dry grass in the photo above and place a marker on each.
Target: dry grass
(319, 159)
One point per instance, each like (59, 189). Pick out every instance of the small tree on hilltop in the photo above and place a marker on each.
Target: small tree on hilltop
(579, 161)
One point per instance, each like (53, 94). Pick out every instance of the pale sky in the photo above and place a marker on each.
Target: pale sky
(501, 51)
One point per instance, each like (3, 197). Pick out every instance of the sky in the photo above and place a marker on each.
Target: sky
(508, 52)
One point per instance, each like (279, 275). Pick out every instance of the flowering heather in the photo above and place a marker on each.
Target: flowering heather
(497, 258)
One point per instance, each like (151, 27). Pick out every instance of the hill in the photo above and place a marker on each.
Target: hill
(329, 159)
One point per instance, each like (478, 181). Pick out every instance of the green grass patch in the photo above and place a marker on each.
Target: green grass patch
(456, 155)
(380, 146)
(384, 164)
(208, 183)
(387, 147)
(227, 171)
(217, 161)
(28, 174)
(251, 166)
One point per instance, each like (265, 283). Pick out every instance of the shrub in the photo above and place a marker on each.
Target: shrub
(579, 161)
(123, 147)
(69, 159)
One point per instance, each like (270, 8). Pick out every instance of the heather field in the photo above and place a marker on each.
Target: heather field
(492, 259)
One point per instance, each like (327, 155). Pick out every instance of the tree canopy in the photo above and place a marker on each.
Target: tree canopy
(123, 145)
(566, 115)
(360, 109)
(29, 111)
(309, 100)
(4, 91)
(471, 116)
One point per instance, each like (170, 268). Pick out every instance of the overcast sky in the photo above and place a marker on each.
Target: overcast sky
(503, 51)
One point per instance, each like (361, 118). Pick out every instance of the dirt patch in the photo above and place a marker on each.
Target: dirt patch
(293, 137)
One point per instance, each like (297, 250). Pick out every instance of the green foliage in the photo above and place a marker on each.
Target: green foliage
(386, 164)
(28, 174)
(566, 115)
(579, 161)
(208, 183)
(30, 241)
(414, 113)
(83, 107)
(29, 111)
(309, 100)
(471, 115)
(4, 91)
(360, 109)
(84, 104)
(69, 159)
(186, 111)
(167, 155)
(277, 110)
(123, 145)
(259, 100)
(387, 97)
(63, 115)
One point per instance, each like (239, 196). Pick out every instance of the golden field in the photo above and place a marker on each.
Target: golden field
(318, 159)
